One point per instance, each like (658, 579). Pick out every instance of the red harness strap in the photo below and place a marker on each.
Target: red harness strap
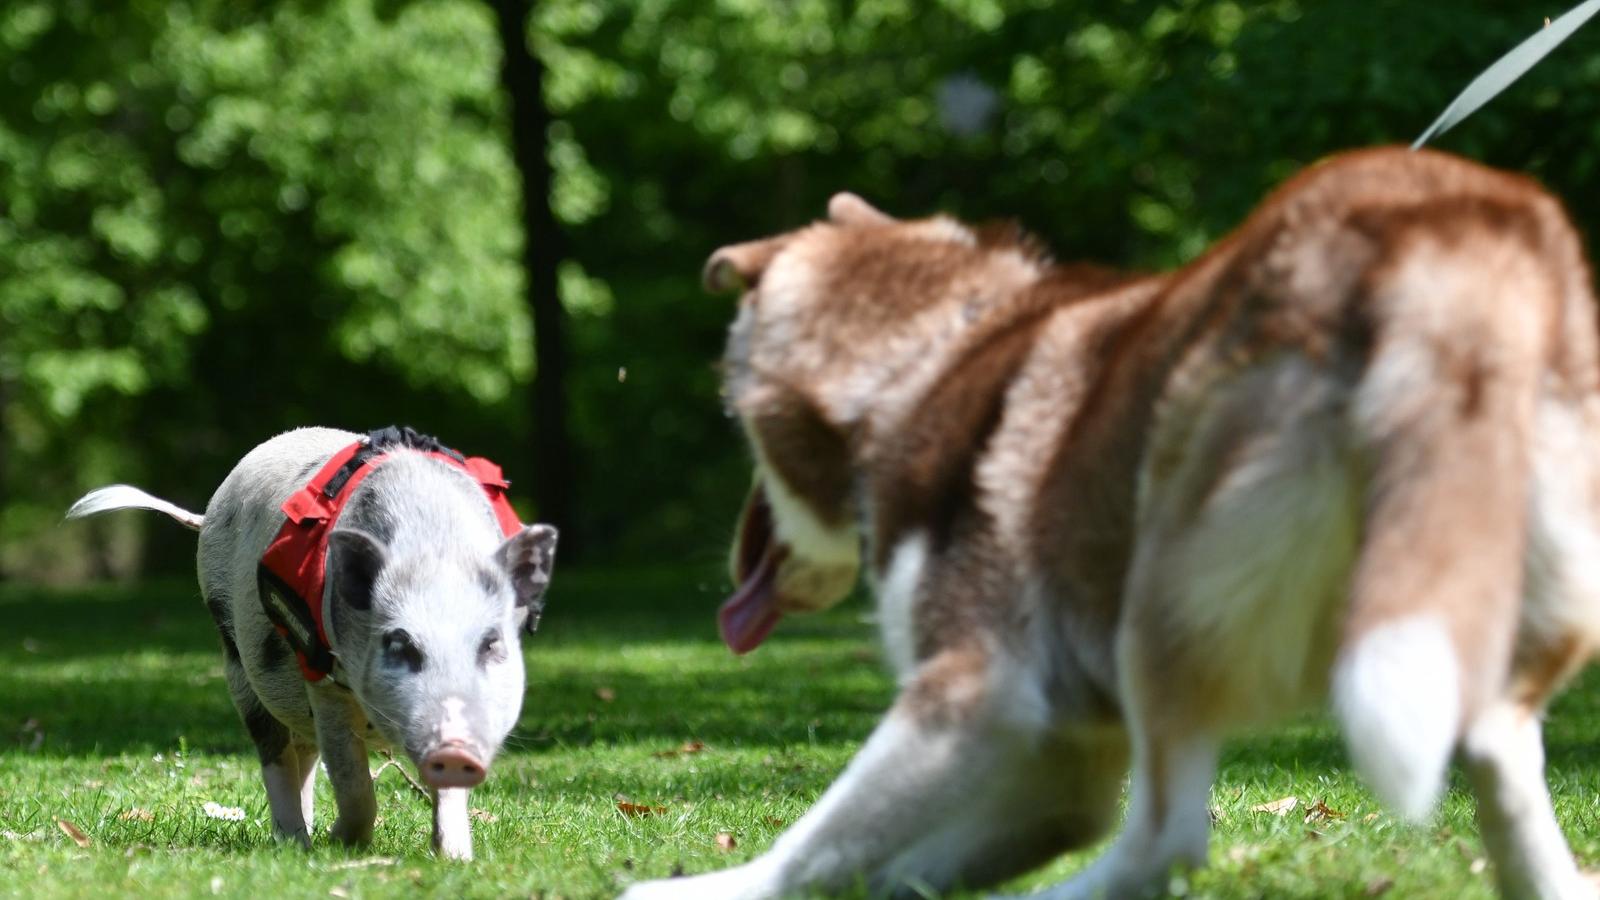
(294, 567)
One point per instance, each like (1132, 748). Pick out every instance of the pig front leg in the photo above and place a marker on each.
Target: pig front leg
(344, 755)
(452, 831)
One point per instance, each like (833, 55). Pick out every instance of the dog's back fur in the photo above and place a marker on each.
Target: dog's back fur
(1346, 454)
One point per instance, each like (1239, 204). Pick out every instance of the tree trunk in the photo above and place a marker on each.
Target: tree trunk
(5, 456)
(522, 76)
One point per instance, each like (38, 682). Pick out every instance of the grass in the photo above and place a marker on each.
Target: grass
(114, 718)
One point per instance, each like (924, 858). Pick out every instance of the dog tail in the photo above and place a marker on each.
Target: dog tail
(1444, 411)
(123, 496)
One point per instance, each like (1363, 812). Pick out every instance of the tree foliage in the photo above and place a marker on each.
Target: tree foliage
(220, 219)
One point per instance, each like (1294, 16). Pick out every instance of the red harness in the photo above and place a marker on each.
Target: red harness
(294, 568)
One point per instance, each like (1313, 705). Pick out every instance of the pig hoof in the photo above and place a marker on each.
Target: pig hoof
(453, 846)
(454, 852)
(300, 838)
(351, 835)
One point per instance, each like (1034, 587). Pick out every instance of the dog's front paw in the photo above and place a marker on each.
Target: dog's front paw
(738, 883)
(665, 889)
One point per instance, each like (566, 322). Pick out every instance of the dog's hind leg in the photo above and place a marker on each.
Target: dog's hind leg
(1503, 755)
(928, 764)
(1502, 751)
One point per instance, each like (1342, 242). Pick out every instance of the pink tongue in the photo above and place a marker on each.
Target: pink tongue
(751, 613)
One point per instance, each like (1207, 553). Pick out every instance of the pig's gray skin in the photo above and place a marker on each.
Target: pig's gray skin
(424, 605)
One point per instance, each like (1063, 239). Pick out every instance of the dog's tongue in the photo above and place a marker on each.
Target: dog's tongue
(751, 613)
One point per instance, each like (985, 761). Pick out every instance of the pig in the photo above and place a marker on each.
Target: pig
(424, 605)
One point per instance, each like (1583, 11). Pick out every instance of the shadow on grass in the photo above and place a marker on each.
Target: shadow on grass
(114, 669)
(623, 658)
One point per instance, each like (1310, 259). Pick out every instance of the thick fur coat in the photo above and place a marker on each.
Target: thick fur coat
(1345, 456)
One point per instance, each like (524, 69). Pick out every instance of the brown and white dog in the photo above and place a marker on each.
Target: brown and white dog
(1348, 454)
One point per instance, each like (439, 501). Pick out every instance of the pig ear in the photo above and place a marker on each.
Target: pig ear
(355, 558)
(528, 557)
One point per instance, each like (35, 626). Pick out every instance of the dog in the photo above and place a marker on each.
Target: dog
(1346, 456)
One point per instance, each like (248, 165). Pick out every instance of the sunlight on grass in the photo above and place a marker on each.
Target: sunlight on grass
(115, 719)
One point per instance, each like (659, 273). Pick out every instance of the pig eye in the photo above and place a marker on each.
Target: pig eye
(491, 648)
(399, 650)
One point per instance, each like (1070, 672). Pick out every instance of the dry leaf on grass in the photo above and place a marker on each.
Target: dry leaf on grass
(1321, 812)
(74, 832)
(774, 821)
(1280, 807)
(605, 694)
(1379, 886)
(136, 814)
(725, 841)
(636, 810)
(687, 748)
(482, 815)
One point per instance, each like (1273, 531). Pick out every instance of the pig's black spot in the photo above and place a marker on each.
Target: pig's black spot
(222, 615)
(491, 580)
(270, 735)
(274, 650)
(220, 609)
(360, 506)
(308, 470)
(230, 515)
(366, 510)
(229, 648)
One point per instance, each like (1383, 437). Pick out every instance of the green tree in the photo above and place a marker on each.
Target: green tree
(220, 219)
(244, 218)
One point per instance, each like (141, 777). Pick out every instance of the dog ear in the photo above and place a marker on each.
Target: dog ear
(848, 209)
(739, 266)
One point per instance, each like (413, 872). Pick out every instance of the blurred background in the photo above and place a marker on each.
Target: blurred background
(220, 219)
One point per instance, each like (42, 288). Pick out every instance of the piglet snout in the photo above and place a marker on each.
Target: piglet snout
(452, 765)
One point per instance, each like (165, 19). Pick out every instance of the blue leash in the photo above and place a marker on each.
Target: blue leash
(1507, 69)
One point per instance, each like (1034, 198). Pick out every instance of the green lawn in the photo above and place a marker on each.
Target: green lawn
(114, 718)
